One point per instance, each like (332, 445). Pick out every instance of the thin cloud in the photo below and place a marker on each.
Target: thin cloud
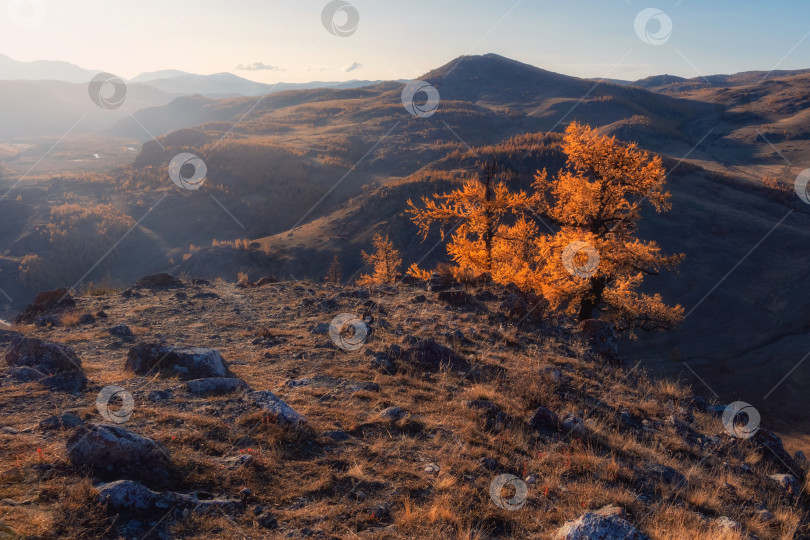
(352, 66)
(258, 66)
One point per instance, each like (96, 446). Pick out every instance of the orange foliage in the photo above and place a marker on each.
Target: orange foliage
(592, 264)
(385, 262)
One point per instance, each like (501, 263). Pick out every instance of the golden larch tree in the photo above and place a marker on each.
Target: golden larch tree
(594, 265)
(385, 262)
(477, 212)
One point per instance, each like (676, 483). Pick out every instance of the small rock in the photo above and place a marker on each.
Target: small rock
(432, 468)
(727, 524)
(267, 521)
(276, 408)
(216, 386)
(788, 482)
(360, 496)
(320, 329)
(160, 395)
(544, 420)
(665, 474)
(265, 280)
(121, 331)
(419, 299)
(488, 463)
(8, 430)
(87, 318)
(604, 524)
(573, 425)
(66, 420)
(393, 413)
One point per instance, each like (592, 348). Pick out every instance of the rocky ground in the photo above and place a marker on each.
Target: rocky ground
(300, 410)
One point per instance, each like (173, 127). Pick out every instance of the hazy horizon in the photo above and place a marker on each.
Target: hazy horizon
(272, 42)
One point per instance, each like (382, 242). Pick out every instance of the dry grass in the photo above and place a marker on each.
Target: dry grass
(310, 481)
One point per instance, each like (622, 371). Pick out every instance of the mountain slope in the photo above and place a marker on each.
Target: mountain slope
(401, 433)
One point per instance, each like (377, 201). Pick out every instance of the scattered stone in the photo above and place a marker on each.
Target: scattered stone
(87, 318)
(112, 452)
(233, 463)
(455, 298)
(200, 281)
(158, 281)
(320, 329)
(573, 425)
(276, 408)
(431, 356)
(101, 314)
(775, 453)
(432, 468)
(531, 479)
(267, 520)
(419, 299)
(45, 356)
(24, 374)
(216, 386)
(360, 496)
(193, 363)
(543, 419)
(393, 413)
(727, 524)
(122, 331)
(126, 495)
(383, 362)
(788, 482)
(8, 430)
(439, 282)
(160, 395)
(67, 420)
(46, 302)
(608, 523)
(665, 474)
(59, 366)
(765, 516)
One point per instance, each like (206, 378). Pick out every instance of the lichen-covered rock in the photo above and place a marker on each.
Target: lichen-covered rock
(608, 523)
(276, 409)
(112, 453)
(192, 363)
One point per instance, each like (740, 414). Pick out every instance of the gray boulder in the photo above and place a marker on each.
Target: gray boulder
(608, 523)
(128, 495)
(788, 482)
(192, 363)
(46, 357)
(112, 452)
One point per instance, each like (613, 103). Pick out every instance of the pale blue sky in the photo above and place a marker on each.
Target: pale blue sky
(396, 39)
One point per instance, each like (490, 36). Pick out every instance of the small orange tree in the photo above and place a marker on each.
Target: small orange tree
(385, 262)
(479, 209)
(594, 263)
